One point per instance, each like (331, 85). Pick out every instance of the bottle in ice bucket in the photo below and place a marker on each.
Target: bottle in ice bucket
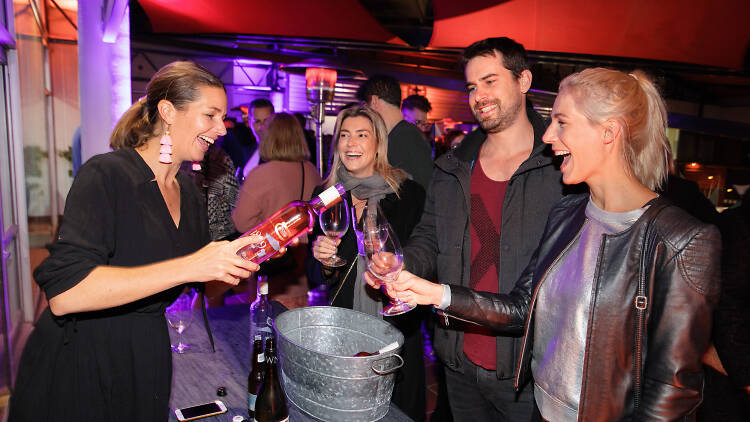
(271, 403)
(261, 323)
(288, 223)
(255, 379)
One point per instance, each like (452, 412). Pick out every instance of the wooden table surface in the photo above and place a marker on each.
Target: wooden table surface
(198, 373)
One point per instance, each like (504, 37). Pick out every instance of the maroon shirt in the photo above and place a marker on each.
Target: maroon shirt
(486, 215)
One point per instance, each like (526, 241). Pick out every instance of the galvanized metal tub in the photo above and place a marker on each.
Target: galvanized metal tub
(321, 376)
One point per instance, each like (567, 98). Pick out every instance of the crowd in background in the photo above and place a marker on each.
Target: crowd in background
(559, 279)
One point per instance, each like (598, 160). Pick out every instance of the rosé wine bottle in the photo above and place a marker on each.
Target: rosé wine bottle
(288, 223)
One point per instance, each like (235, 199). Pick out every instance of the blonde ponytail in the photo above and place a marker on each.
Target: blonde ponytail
(634, 101)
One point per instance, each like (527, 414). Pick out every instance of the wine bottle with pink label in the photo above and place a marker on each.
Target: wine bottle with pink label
(294, 220)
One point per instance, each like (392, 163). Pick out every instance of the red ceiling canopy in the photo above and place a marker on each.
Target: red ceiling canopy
(707, 32)
(338, 19)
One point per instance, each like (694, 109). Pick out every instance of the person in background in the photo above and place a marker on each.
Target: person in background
(616, 303)
(407, 149)
(414, 108)
(727, 388)
(285, 175)
(687, 195)
(309, 136)
(259, 111)
(483, 218)
(134, 233)
(238, 143)
(360, 148)
(216, 181)
(454, 137)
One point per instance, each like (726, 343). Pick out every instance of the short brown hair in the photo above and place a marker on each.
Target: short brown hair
(179, 83)
(283, 140)
(515, 58)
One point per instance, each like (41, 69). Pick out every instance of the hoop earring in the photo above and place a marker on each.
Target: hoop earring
(165, 152)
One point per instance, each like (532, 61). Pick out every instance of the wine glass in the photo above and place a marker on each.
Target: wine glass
(385, 260)
(334, 222)
(179, 314)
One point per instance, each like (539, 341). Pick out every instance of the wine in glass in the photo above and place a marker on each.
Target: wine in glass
(385, 260)
(334, 222)
(179, 314)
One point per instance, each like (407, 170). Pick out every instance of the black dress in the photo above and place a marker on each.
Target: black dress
(114, 364)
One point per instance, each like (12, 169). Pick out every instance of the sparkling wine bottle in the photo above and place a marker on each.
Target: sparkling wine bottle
(261, 323)
(255, 378)
(288, 223)
(271, 403)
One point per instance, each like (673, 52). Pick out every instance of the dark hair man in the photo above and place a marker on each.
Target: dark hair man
(258, 112)
(484, 215)
(238, 143)
(414, 108)
(406, 146)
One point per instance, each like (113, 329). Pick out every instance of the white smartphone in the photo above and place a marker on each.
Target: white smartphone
(200, 411)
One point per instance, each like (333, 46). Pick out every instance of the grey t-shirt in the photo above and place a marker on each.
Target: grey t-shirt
(562, 315)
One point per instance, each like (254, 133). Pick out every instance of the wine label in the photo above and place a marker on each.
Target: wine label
(273, 242)
(261, 357)
(329, 195)
(251, 398)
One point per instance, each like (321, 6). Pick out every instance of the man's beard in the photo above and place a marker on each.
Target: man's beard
(503, 120)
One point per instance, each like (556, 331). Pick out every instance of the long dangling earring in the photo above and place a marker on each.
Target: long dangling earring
(196, 166)
(165, 152)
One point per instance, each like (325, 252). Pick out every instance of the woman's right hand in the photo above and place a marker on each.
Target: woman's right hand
(325, 247)
(219, 261)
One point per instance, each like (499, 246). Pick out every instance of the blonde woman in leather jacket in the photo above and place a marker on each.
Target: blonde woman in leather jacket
(616, 303)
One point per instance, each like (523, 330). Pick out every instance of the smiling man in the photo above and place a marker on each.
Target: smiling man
(484, 216)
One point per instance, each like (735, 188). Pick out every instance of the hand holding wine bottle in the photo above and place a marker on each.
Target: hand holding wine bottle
(287, 224)
(219, 261)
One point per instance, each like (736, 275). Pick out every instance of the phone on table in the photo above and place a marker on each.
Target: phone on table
(200, 411)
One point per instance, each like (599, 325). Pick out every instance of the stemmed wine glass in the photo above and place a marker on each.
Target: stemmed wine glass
(179, 314)
(383, 256)
(334, 222)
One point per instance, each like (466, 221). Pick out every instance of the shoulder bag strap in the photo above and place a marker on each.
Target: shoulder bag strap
(302, 191)
(641, 306)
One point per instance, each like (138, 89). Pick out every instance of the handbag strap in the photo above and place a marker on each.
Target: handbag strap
(302, 191)
(641, 305)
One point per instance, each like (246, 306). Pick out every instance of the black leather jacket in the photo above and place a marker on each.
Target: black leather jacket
(683, 289)
(440, 246)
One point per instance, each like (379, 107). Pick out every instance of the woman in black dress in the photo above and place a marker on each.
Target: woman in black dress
(134, 233)
(360, 151)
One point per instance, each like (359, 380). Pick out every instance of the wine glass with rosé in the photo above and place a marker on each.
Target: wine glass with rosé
(384, 259)
(179, 315)
(334, 222)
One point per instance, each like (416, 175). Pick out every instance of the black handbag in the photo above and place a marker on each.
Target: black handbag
(286, 262)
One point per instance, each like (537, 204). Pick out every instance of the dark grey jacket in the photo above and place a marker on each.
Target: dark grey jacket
(440, 246)
(681, 283)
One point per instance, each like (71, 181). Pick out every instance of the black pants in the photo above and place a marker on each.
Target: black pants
(477, 395)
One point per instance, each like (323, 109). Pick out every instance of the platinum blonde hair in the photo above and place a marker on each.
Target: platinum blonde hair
(634, 101)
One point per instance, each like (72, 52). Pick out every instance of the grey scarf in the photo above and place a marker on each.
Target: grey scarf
(373, 188)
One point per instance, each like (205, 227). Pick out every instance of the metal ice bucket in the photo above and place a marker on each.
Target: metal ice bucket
(321, 376)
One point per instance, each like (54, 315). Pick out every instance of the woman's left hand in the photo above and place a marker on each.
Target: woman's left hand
(409, 288)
